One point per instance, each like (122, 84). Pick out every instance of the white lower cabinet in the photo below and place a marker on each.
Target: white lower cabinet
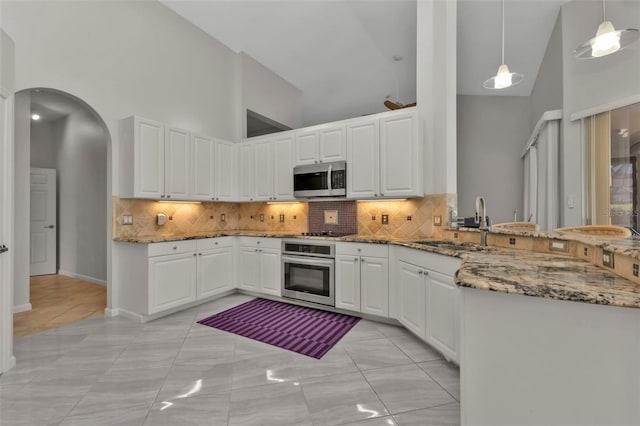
(158, 277)
(425, 299)
(362, 278)
(260, 262)
(172, 281)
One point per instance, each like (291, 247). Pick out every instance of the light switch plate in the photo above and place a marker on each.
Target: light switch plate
(437, 220)
(331, 217)
(607, 258)
(558, 245)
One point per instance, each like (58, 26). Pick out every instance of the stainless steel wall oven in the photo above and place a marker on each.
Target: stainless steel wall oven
(308, 271)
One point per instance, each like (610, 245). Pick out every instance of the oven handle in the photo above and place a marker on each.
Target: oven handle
(314, 261)
(329, 175)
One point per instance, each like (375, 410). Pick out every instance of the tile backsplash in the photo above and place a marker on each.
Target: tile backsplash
(410, 218)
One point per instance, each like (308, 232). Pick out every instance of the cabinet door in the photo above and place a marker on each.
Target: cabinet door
(263, 164)
(177, 164)
(215, 272)
(225, 170)
(333, 144)
(249, 268)
(411, 298)
(442, 325)
(374, 286)
(363, 157)
(306, 147)
(283, 168)
(400, 156)
(148, 158)
(348, 282)
(202, 166)
(245, 171)
(172, 281)
(270, 271)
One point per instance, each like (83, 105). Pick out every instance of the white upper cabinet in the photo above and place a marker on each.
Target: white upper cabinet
(306, 149)
(332, 144)
(202, 167)
(177, 164)
(271, 175)
(384, 156)
(263, 165)
(245, 171)
(225, 171)
(142, 158)
(400, 156)
(363, 159)
(283, 167)
(320, 144)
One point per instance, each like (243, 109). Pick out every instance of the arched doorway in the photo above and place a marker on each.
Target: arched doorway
(55, 130)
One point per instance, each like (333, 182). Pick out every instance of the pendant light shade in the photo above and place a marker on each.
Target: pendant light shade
(608, 40)
(503, 78)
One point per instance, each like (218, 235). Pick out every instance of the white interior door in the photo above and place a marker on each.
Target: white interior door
(43, 222)
(6, 235)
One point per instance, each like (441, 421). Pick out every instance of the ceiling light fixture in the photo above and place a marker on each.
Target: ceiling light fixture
(608, 40)
(35, 117)
(504, 78)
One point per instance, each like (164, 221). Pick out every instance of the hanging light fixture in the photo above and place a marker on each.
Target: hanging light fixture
(504, 78)
(608, 40)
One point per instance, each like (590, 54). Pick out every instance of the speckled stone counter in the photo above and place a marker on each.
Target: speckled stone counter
(547, 275)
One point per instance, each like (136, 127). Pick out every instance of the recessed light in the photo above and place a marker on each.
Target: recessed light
(35, 117)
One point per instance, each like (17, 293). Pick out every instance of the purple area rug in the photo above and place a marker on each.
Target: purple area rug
(303, 330)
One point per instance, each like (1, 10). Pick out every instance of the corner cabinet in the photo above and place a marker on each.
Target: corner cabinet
(161, 277)
(362, 278)
(384, 156)
(424, 298)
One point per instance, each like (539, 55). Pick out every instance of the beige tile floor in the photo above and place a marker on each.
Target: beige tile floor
(173, 371)
(58, 300)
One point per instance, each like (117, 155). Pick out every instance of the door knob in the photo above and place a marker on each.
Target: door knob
(49, 227)
(4, 249)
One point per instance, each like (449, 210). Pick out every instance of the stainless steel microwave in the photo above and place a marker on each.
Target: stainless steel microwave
(320, 180)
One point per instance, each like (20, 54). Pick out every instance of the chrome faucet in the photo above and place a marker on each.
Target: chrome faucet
(482, 220)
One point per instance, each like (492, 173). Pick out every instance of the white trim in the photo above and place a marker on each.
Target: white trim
(555, 114)
(131, 315)
(108, 312)
(82, 277)
(22, 308)
(618, 103)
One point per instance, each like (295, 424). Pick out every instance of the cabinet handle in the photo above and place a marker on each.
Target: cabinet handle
(162, 196)
(175, 247)
(420, 272)
(375, 195)
(359, 249)
(355, 258)
(194, 254)
(217, 198)
(216, 243)
(168, 196)
(426, 272)
(199, 254)
(213, 198)
(381, 194)
(362, 260)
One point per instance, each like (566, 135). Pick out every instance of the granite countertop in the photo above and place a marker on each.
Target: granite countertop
(548, 275)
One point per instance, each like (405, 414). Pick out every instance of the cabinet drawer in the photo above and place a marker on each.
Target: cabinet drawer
(211, 243)
(363, 249)
(171, 247)
(274, 243)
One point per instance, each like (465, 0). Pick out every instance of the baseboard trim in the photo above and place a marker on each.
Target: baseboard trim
(22, 308)
(131, 315)
(82, 277)
(108, 312)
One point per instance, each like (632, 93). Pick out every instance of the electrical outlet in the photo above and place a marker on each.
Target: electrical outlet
(437, 220)
(408, 218)
(261, 217)
(607, 258)
(385, 219)
(222, 217)
(373, 218)
(281, 218)
(126, 219)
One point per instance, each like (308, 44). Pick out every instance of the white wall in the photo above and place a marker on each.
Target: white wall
(124, 58)
(492, 131)
(22, 190)
(82, 198)
(436, 92)
(268, 94)
(44, 145)
(590, 83)
(547, 90)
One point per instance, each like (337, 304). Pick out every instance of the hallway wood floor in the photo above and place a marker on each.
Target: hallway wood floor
(58, 300)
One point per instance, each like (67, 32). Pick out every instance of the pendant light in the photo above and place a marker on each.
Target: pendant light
(607, 40)
(504, 78)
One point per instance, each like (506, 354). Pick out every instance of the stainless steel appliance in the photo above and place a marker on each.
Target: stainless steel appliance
(308, 271)
(320, 180)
